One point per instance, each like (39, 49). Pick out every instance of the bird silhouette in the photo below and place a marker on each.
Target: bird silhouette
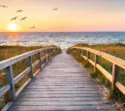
(3, 6)
(14, 18)
(19, 11)
(55, 9)
(24, 18)
(32, 27)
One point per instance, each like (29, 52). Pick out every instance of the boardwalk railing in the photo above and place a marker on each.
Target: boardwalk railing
(117, 64)
(8, 90)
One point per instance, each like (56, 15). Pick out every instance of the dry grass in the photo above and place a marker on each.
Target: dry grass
(11, 51)
(117, 49)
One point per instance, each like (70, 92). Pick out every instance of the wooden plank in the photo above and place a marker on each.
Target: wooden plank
(10, 80)
(96, 62)
(40, 60)
(62, 108)
(21, 75)
(35, 64)
(58, 103)
(4, 89)
(91, 62)
(38, 70)
(88, 55)
(84, 57)
(54, 108)
(31, 66)
(59, 99)
(105, 72)
(115, 75)
(6, 107)
(120, 87)
(22, 88)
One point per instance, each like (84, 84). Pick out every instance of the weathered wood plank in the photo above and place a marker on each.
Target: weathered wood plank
(4, 89)
(22, 87)
(120, 87)
(105, 72)
(21, 75)
(7, 106)
(35, 63)
(10, 80)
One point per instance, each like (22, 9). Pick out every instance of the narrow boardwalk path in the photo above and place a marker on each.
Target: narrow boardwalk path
(62, 86)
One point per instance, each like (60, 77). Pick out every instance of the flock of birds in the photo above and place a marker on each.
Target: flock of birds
(23, 18)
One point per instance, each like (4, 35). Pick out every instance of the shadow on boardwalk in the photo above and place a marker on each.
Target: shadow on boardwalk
(62, 86)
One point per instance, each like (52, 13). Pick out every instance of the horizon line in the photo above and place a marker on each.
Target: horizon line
(58, 31)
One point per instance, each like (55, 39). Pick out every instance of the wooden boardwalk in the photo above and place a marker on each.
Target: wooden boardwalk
(63, 85)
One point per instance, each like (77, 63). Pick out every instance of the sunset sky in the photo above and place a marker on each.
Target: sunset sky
(73, 15)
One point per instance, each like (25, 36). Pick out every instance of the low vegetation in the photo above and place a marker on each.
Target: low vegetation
(117, 50)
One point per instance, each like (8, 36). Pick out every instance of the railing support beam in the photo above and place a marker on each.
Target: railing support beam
(115, 75)
(40, 61)
(88, 55)
(96, 61)
(31, 66)
(9, 80)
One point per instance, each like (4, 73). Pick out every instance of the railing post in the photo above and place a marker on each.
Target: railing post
(31, 67)
(82, 53)
(4, 82)
(49, 54)
(9, 80)
(54, 50)
(96, 61)
(40, 61)
(88, 55)
(115, 75)
(45, 55)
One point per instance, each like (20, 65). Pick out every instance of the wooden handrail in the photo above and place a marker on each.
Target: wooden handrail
(9, 75)
(117, 64)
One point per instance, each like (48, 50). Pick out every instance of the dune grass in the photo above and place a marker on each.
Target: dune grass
(11, 51)
(117, 50)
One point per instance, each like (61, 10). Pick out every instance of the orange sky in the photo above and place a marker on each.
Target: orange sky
(73, 15)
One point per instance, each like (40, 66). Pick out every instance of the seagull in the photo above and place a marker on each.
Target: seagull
(24, 18)
(55, 9)
(3, 6)
(19, 11)
(33, 27)
(14, 18)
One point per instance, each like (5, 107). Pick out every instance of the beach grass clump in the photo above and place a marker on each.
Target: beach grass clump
(117, 50)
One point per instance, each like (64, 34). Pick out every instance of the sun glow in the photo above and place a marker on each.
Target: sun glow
(13, 27)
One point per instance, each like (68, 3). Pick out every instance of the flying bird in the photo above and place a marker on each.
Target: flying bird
(19, 11)
(33, 27)
(55, 9)
(24, 18)
(14, 18)
(3, 6)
